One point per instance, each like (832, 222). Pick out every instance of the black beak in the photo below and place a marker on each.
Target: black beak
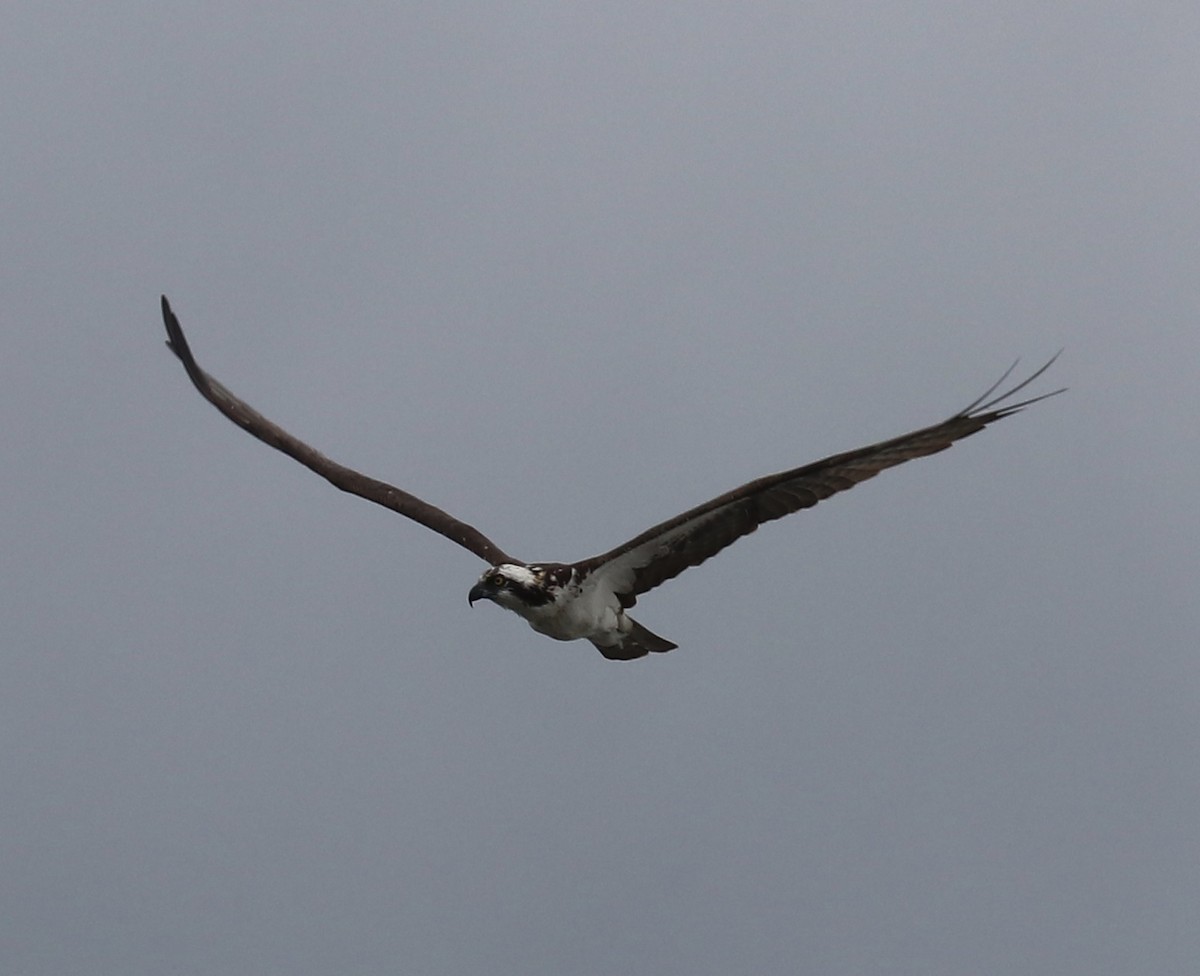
(480, 591)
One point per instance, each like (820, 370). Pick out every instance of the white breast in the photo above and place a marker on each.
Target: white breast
(577, 611)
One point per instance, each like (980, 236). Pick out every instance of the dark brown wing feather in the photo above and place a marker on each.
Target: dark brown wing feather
(665, 551)
(341, 477)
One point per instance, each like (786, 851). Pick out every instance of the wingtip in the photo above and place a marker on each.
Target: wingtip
(996, 403)
(175, 338)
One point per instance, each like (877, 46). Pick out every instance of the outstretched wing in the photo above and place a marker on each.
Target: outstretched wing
(341, 477)
(665, 551)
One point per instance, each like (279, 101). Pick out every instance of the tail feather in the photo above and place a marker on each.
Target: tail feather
(637, 643)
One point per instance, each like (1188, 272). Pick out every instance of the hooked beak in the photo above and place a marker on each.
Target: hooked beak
(480, 591)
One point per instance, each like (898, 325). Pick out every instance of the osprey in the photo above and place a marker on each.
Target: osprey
(589, 599)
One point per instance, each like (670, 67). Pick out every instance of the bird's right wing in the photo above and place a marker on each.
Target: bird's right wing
(666, 550)
(340, 476)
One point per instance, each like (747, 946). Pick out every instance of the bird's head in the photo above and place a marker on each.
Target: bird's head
(510, 586)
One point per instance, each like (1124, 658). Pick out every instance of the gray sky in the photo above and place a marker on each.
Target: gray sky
(566, 270)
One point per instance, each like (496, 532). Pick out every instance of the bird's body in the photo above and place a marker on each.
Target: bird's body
(589, 599)
(561, 602)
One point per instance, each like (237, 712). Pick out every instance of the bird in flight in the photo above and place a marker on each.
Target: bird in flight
(590, 599)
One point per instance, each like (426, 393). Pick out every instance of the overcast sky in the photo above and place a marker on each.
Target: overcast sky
(566, 270)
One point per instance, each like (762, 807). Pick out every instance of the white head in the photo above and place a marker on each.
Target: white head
(510, 586)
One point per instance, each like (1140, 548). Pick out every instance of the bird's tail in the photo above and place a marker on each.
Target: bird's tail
(638, 642)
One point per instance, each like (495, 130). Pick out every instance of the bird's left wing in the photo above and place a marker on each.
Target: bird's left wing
(665, 551)
(340, 476)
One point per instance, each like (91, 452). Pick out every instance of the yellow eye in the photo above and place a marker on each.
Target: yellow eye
(498, 580)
